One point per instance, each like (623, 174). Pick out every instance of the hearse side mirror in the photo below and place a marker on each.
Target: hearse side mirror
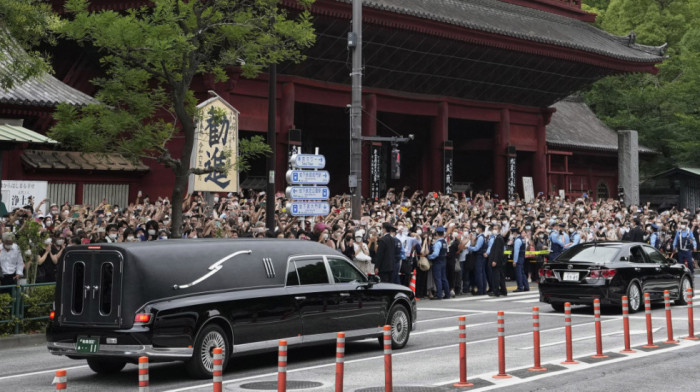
(372, 280)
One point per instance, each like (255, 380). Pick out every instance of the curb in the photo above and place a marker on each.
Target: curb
(22, 340)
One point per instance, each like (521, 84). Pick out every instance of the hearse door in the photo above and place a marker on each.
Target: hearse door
(91, 288)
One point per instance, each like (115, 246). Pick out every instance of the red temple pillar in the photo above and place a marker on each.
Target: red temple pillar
(438, 136)
(500, 154)
(284, 124)
(539, 163)
(369, 128)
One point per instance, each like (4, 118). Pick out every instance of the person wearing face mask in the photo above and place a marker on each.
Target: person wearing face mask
(11, 262)
(112, 234)
(684, 243)
(519, 248)
(575, 237)
(439, 267)
(557, 240)
(46, 265)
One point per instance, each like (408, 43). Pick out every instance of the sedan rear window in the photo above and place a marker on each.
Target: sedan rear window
(590, 254)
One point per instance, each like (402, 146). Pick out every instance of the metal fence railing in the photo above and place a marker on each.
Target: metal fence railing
(25, 306)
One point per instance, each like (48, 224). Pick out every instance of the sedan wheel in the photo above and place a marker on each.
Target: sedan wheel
(685, 285)
(634, 296)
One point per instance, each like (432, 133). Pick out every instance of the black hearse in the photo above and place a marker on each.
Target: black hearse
(176, 300)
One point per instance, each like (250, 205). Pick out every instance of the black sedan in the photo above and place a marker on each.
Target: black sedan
(610, 270)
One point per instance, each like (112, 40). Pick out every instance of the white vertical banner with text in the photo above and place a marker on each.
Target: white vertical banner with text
(216, 140)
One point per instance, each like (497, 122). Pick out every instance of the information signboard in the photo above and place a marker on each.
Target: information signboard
(308, 177)
(308, 193)
(306, 208)
(308, 161)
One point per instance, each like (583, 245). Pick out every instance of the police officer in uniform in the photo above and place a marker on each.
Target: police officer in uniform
(558, 239)
(575, 238)
(654, 238)
(519, 247)
(685, 244)
(479, 250)
(439, 258)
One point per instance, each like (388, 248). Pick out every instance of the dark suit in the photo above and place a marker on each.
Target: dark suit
(384, 260)
(637, 234)
(498, 282)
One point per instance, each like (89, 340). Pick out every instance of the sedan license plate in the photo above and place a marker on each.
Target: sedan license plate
(87, 344)
(571, 276)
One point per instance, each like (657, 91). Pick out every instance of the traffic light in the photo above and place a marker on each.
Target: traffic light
(395, 164)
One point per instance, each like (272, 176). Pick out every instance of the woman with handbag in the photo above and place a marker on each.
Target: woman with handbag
(423, 273)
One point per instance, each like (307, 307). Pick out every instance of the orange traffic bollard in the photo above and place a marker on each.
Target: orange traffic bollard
(650, 332)
(339, 361)
(626, 325)
(218, 370)
(691, 322)
(412, 284)
(536, 340)
(61, 380)
(669, 320)
(567, 328)
(388, 383)
(282, 367)
(598, 333)
(143, 374)
(501, 347)
(463, 354)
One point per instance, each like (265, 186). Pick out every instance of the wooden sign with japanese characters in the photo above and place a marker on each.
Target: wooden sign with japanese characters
(215, 145)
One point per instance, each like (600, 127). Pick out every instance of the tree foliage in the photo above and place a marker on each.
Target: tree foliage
(24, 25)
(151, 56)
(665, 107)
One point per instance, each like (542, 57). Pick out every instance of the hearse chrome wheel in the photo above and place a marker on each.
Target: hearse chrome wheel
(202, 362)
(400, 326)
(634, 296)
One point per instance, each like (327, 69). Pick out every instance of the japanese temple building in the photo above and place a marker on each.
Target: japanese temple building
(477, 80)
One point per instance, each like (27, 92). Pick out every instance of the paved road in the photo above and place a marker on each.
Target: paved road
(430, 360)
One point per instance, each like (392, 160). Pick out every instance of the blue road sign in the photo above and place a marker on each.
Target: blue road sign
(301, 208)
(308, 192)
(307, 161)
(308, 177)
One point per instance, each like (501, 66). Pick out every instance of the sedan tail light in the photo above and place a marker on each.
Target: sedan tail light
(602, 273)
(546, 273)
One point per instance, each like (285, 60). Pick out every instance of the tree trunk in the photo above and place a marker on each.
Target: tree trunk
(183, 170)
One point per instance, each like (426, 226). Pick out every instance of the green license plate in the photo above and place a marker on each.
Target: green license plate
(87, 344)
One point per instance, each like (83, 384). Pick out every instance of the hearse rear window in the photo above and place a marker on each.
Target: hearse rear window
(311, 271)
(106, 280)
(78, 287)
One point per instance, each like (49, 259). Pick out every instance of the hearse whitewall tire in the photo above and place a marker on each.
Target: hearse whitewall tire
(201, 365)
(400, 322)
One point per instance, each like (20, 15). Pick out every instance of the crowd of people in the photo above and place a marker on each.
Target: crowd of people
(468, 239)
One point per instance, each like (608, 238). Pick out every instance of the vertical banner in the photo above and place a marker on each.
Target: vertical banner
(448, 159)
(511, 172)
(215, 144)
(528, 189)
(294, 145)
(375, 170)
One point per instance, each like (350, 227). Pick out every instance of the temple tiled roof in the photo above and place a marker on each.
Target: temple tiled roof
(515, 21)
(41, 91)
(70, 160)
(575, 126)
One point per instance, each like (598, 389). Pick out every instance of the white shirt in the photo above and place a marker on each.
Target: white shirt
(11, 261)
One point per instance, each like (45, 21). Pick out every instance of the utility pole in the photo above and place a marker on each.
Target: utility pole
(355, 44)
(272, 141)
